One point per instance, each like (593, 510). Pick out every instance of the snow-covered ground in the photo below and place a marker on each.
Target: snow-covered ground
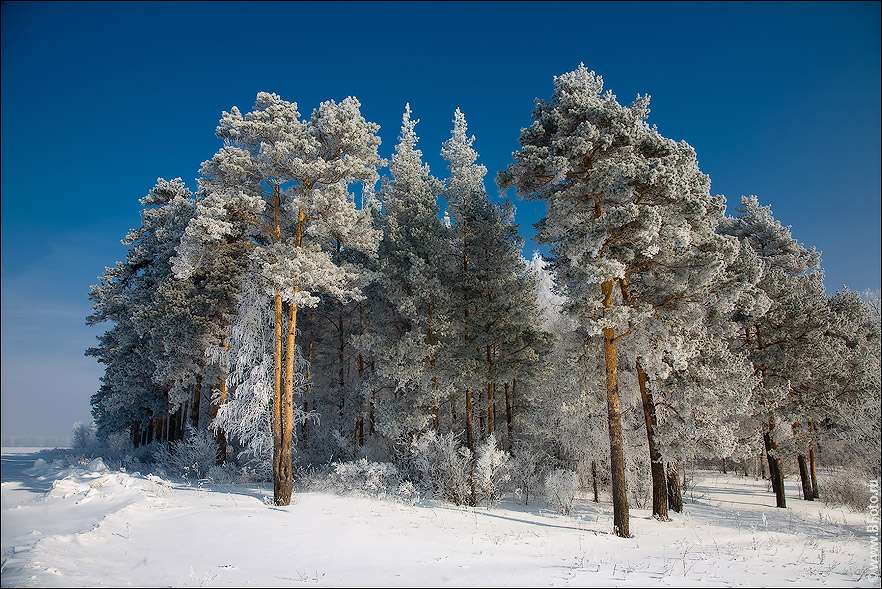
(94, 527)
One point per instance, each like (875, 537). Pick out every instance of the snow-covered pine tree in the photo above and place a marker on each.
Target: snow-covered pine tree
(623, 202)
(410, 294)
(673, 281)
(789, 270)
(467, 200)
(281, 185)
(147, 375)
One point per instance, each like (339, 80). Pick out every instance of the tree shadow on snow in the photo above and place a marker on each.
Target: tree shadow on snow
(535, 511)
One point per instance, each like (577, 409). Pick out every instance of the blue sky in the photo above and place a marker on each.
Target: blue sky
(98, 100)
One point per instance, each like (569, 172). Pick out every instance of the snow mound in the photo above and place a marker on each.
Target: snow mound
(97, 465)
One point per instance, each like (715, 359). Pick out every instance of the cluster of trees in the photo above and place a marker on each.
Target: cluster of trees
(312, 302)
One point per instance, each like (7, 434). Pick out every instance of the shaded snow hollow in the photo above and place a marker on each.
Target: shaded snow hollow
(91, 526)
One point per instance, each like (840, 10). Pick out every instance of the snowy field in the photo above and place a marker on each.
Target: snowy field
(94, 527)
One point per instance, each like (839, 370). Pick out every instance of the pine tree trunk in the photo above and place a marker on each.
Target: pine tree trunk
(775, 474)
(194, 406)
(341, 372)
(657, 467)
(283, 476)
(594, 479)
(490, 416)
(220, 434)
(286, 461)
(359, 420)
(432, 340)
(172, 427)
(805, 478)
(135, 431)
(277, 426)
(812, 461)
(481, 409)
(614, 416)
(307, 389)
(675, 494)
(470, 436)
(277, 400)
(491, 408)
(813, 473)
(508, 415)
(371, 423)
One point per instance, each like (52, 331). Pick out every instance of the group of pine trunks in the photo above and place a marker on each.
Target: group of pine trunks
(667, 482)
(666, 486)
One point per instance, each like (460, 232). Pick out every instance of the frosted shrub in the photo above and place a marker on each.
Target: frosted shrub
(492, 471)
(526, 472)
(119, 441)
(223, 474)
(847, 488)
(365, 478)
(408, 493)
(639, 477)
(192, 457)
(560, 489)
(443, 466)
(83, 436)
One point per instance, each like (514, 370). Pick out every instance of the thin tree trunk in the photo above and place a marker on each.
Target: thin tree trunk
(594, 479)
(194, 406)
(775, 474)
(220, 434)
(431, 340)
(657, 467)
(614, 416)
(675, 494)
(491, 418)
(804, 476)
(341, 371)
(307, 389)
(277, 399)
(508, 415)
(812, 461)
(359, 421)
(491, 408)
(173, 426)
(470, 436)
(371, 423)
(481, 409)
